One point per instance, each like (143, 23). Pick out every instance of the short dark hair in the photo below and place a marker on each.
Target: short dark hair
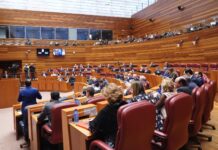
(55, 95)
(182, 82)
(90, 90)
(28, 82)
(189, 71)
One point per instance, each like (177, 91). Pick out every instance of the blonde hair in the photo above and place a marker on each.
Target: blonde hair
(112, 93)
(167, 85)
(137, 88)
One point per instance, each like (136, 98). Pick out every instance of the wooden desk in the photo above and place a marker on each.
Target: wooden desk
(32, 109)
(79, 136)
(214, 76)
(9, 91)
(34, 127)
(35, 141)
(67, 118)
(17, 116)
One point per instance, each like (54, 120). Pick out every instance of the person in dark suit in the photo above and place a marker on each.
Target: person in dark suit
(46, 112)
(32, 70)
(5, 74)
(28, 97)
(191, 79)
(182, 85)
(104, 126)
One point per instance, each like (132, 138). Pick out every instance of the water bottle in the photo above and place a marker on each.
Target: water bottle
(76, 116)
(77, 102)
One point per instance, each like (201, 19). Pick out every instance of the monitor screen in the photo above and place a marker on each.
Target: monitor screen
(58, 52)
(43, 52)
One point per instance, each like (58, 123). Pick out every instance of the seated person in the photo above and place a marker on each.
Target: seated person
(141, 70)
(158, 71)
(153, 64)
(138, 92)
(46, 112)
(90, 91)
(146, 70)
(104, 126)
(97, 87)
(167, 90)
(72, 79)
(144, 82)
(181, 85)
(199, 78)
(103, 82)
(135, 77)
(172, 74)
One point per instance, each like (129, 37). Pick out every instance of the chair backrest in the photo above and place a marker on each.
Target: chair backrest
(96, 99)
(56, 125)
(136, 123)
(214, 86)
(194, 92)
(209, 102)
(179, 110)
(199, 98)
(213, 66)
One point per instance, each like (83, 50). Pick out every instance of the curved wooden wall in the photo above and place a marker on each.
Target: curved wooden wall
(120, 26)
(139, 53)
(167, 17)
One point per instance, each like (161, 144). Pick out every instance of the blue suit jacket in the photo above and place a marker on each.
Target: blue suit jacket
(28, 97)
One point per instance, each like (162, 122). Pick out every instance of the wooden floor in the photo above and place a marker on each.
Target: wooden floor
(214, 120)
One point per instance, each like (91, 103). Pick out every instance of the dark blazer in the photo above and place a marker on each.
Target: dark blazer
(46, 112)
(28, 97)
(185, 89)
(104, 126)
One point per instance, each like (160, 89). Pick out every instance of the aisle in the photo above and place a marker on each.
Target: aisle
(7, 133)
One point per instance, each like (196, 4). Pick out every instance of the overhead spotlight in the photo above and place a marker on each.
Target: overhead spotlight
(181, 8)
(151, 20)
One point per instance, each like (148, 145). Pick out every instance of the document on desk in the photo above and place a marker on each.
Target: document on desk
(90, 111)
(84, 123)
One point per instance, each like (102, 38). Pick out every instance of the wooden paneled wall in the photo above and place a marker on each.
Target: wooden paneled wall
(120, 26)
(167, 17)
(156, 50)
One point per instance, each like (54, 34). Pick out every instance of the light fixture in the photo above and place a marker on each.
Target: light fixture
(151, 19)
(181, 8)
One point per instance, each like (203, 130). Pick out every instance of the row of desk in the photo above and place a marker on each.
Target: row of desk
(52, 85)
(67, 124)
(74, 137)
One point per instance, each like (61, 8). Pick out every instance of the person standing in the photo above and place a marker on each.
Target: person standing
(28, 97)
(5, 75)
(32, 70)
(26, 71)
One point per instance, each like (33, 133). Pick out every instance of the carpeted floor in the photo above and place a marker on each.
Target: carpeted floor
(7, 134)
